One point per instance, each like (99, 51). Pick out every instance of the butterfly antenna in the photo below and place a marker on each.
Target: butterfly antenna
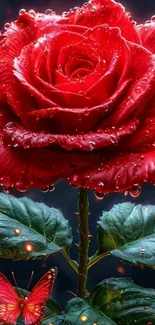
(14, 279)
(32, 273)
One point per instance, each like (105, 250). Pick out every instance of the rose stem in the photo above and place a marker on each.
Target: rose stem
(83, 217)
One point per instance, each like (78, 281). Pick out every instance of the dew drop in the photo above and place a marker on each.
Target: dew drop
(51, 188)
(125, 193)
(7, 189)
(143, 251)
(22, 12)
(49, 12)
(153, 18)
(7, 25)
(10, 126)
(99, 195)
(135, 190)
(21, 187)
(32, 13)
(45, 189)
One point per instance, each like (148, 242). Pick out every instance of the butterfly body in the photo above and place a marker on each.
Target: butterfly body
(32, 308)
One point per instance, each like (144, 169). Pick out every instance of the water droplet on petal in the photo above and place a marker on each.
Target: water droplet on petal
(125, 193)
(7, 25)
(32, 13)
(45, 189)
(49, 12)
(11, 126)
(153, 18)
(99, 195)
(135, 190)
(6, 189)
(21, 187)
(51, 188)
(22, 12)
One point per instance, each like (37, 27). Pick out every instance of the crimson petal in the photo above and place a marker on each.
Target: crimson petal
(98, 12)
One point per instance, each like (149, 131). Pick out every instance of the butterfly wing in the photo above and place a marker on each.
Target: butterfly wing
(9, 302)
(34, 308)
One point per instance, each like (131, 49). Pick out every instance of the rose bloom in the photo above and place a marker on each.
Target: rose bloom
(77, 99)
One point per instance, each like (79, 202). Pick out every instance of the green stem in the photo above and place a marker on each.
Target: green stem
(83, 216)
(73, 263)
(96, 258)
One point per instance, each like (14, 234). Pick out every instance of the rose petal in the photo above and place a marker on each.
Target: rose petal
(141, 91)
(78, 120)
(118, 174)
(17, 135)
(100, 12)
(147, 35)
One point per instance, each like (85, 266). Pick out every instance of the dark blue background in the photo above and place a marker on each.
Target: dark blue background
(65, 197)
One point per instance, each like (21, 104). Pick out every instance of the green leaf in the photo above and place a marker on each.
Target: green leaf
(57, 320)
(45, 228)
(128, 232)
(125, 302)
(75, 309)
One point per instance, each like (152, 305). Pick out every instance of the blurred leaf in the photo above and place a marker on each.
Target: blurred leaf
(57, 320)
(128, 232)
(75, 309)
(125, 302)
(44, 228)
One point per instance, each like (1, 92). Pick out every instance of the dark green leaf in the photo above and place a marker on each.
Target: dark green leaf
(57, 320)
(128, 232)
(75, 309)
(124, 301)
(45, 228)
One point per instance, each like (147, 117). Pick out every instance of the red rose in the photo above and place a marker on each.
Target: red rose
(77, 99)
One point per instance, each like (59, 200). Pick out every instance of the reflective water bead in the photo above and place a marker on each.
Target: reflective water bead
(11, 126)
(7, 25)
(49, 12)
(135, 190)
(21, 187)
(45, 189)
(32, 13)
(22, 11)
(99, 195)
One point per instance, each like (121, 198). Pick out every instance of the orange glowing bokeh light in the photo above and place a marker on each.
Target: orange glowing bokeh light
(121, 269)
(17, 231)
(29, 247)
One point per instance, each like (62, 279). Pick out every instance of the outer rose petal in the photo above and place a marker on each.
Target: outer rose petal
(30, 168)
(18, 136)
(98, 12)
(147, 35)
(118, 173)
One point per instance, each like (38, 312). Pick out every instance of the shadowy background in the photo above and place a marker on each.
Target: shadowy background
(65, 197)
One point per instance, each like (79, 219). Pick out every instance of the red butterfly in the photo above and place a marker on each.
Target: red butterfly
(32, 308)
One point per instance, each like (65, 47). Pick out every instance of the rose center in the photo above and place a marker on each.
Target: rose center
(77, 67)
